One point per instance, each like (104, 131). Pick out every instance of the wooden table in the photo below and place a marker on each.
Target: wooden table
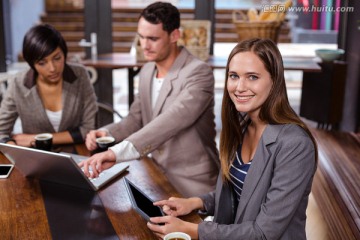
(25, 211)
(116, 61)
(126, 60)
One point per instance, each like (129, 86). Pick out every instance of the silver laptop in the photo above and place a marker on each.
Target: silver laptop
(57, 167)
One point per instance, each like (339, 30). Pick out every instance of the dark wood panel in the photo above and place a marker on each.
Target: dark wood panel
(336, 184)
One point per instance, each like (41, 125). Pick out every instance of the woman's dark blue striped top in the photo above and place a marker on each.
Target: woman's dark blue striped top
(238, 171)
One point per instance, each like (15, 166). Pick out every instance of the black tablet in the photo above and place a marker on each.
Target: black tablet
(141, 202)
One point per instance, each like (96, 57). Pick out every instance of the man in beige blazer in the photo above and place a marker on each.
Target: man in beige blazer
(172, 116)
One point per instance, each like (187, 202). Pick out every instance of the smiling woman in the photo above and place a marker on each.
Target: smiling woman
(268, 157)
(248, 82)
(52, 96)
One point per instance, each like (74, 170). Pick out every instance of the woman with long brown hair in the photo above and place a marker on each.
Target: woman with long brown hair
(268, 157)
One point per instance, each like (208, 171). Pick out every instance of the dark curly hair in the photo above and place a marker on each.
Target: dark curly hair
(162, 12)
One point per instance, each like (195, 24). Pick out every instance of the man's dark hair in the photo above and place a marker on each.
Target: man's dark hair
(162, 12)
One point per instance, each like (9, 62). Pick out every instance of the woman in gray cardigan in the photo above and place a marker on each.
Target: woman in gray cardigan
(268, 158)
(52, 96)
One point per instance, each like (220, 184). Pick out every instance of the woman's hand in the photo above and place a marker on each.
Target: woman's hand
(172, 224)
(98, 163)
(24, 140)
(180, 206)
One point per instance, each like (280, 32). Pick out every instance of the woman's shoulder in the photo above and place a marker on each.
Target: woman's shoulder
(76, 67)
(22, 76)
(286, 133)
(290, 139)
(75, 72)
(294, 130)
(294, 135)
(288, 129)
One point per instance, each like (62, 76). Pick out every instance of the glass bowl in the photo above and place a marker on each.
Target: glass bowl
(329, 55)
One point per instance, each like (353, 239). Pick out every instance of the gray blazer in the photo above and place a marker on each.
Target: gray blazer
(22, 100)
(180, 131)
(275, 192)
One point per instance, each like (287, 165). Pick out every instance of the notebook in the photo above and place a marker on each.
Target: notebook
(60, 168)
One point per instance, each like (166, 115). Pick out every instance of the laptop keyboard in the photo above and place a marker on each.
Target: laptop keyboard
(97, 181)
(97, 178)
(107, 174)
(103, 176)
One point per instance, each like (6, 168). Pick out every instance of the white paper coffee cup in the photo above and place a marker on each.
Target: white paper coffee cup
(177, 235)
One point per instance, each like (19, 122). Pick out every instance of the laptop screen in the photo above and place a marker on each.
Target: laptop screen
(46, 166)
(56, 167)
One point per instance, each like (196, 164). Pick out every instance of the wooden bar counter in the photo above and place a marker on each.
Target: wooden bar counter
(24, 210)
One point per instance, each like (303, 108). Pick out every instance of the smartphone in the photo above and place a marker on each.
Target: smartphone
(5, 170)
